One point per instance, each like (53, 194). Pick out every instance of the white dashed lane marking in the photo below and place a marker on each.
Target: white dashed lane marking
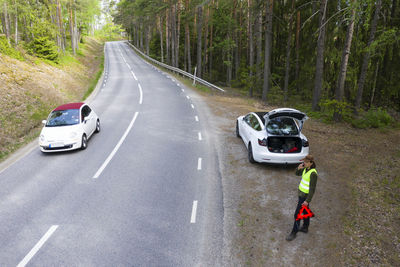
(38, 245)
(199, 164)
(194, 212)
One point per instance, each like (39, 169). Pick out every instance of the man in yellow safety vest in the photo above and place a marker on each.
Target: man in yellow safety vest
(306, 191)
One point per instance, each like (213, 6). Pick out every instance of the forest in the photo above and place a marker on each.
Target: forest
(46, 28)
(338, 55)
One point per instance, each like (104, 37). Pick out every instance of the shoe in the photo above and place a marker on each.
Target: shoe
(291, 236)
(303, 229)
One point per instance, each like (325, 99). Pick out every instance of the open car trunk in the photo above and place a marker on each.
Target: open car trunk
(282, 144)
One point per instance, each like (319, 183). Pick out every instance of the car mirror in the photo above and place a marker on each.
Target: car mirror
(44, 121)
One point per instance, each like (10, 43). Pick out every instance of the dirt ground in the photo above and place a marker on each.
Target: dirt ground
(260, 199)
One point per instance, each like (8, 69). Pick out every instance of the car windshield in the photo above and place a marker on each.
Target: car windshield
(63, 118)
(282, 126)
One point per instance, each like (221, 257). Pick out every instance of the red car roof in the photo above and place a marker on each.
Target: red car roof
(70, 106)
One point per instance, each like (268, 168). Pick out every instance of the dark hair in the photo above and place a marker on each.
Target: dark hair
(313, 166)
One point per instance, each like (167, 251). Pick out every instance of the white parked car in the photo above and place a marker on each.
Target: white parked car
(275, 136)
(68, 127)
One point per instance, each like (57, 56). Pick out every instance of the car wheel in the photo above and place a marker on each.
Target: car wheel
(84, 142)
(237, 129)
(97, 126)
(250, 154)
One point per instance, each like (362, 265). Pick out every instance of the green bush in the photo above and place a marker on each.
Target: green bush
(330, 107)
(44, 48)
(373, 118)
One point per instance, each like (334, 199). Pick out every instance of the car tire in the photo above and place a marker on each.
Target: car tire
(97, 126)
(84, 142)
(250, 154)
(237, 129)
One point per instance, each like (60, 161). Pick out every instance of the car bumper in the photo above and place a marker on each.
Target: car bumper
(48, 147)
(280, 158)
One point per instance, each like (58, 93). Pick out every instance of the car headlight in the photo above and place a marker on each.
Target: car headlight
(73, 135)
(42, 139)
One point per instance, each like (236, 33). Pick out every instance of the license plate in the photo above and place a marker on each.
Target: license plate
(56, 145)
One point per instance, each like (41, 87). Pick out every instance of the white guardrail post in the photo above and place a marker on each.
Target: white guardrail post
(190, 76)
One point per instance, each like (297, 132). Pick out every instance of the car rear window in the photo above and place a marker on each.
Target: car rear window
(63, 118)
(282, 126)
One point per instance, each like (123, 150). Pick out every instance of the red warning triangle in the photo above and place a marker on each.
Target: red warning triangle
(307, 213)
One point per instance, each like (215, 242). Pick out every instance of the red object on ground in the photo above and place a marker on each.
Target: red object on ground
(308, 213)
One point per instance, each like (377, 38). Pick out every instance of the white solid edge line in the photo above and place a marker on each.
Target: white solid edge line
(196, 118)
(116, 147)
(200, 138)
(38, 245)
(141, 94)
(129, 67)
(194, 211)
(199, 164)
(192, 106)
(134, 76)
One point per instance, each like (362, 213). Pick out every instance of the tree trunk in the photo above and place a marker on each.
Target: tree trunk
(374, 86)
(173, 34)
(259, 45)
(71, 28)
(297, 74)
(211, 51)
(205, 54)
(167, 35)
(345, 57)
(6, 22)
(268, 43)
(148, 33)
(251, 44)
(364, 67)
(178, 32)
(287, 68)
(199, 31)
(161, 40)
(319, 72)
(189, 56)
(235, 37)
(61, 27)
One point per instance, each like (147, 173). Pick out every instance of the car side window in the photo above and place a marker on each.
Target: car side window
(254, 123)
(84, 112)
(247, 119)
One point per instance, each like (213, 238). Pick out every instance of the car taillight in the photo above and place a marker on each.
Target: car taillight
(305, 143)
(262, 142)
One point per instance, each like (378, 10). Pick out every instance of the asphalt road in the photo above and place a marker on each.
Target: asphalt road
(146, 191)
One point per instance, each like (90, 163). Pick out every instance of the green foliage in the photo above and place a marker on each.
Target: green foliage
(8, 50)
(44, 48)
(373, 118)
(330, 107)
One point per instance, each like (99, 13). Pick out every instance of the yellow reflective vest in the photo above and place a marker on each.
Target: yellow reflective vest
(304, 185)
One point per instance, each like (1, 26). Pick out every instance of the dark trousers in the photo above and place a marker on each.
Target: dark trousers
(306, 222)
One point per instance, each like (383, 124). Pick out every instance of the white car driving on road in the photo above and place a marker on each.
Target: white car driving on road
(68, 127)
(275, 136)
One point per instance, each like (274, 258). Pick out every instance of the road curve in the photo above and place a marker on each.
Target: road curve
(146, 191)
